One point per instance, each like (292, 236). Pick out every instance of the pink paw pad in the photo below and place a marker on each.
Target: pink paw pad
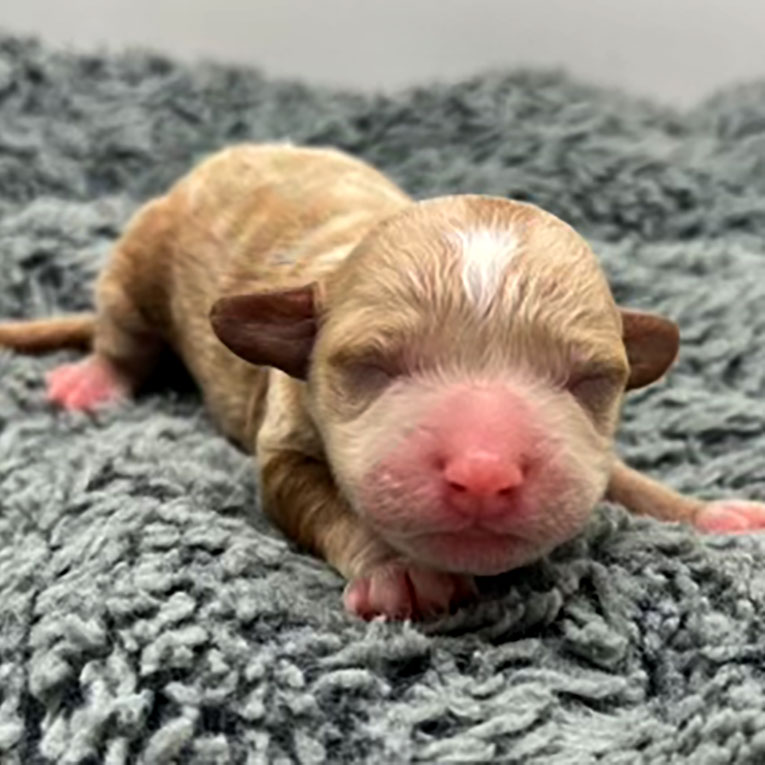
(731, 517)
(401, 591)
(85, 385)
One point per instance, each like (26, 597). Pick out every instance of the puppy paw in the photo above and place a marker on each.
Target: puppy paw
(86, 385)
(730, 517)
(400, 590)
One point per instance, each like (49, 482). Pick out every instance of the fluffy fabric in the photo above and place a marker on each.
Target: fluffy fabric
(149, 614)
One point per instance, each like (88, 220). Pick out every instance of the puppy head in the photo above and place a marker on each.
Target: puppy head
(465, 366)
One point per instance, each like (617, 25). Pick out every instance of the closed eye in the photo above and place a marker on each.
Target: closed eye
(363, 377)
(590, 389)
(595, 385)
(368, 376)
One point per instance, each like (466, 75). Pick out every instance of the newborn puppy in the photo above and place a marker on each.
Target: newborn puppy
(431, 389)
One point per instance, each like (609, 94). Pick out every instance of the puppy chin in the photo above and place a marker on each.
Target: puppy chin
(480, 553)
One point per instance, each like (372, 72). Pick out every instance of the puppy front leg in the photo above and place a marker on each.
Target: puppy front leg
(645, 496)
(301, 498)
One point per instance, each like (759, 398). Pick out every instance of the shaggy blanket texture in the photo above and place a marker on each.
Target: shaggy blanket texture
(149, 614)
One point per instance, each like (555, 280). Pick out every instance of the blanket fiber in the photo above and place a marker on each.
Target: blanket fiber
(149, 614)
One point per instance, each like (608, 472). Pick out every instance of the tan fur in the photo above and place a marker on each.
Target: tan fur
(645, 496)
(48, 334)
(251, 217)
(260, 218)
(239, 221)
(557, 306)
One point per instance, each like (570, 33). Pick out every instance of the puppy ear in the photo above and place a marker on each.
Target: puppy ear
(275, 329)
(652, 343)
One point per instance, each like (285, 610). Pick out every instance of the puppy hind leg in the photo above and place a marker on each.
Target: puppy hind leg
(125, 344)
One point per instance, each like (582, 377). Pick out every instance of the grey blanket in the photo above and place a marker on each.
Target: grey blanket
(149, 614)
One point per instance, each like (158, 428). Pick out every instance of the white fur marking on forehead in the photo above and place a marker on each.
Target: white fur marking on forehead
(486, 254)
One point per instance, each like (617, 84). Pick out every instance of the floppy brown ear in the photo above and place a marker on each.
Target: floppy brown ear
(652, 343)
(275, 329)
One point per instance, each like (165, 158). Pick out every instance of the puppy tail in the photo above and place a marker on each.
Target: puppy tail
(43, 335)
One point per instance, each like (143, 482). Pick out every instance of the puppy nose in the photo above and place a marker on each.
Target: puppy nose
(482, 474)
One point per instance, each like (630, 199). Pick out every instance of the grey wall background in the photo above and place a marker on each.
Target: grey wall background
(674, 50)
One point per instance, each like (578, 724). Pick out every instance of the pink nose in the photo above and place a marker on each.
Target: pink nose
(481, 474)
